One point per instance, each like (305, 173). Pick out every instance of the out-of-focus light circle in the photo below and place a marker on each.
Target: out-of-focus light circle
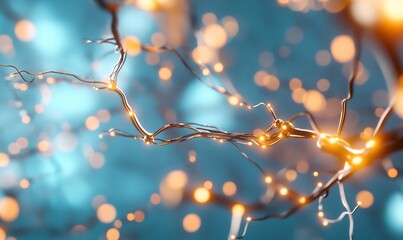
(393, 213)
(191, 222)
(92, 123)
(132, 45)
(106, 213)
(177, 179)
(202, 54)
(365, 12)
(4, 159)
(3, 234)
(343, 48)
(25, 30)
(148, 5)
(393, 9)
(314, 101)
(112, 234)
(9, 209)
(229, 188)
(365, 199)
(215, 36)
(201, 195)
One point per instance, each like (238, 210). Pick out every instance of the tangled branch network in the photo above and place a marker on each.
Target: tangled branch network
(353, 159)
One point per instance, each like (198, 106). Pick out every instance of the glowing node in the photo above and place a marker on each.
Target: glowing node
(283, 191)
(357, 160)
(370, 144)
(268, 179)
(392, 173)
(201, 195)
(248, 219)
(315, 174)
(302, 200)
(238, 209)
(325, 223)
(321, 214)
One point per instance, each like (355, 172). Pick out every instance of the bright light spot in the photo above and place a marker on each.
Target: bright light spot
(357, 160)
(314, 101)
(147, 5)
(155, 199)
(283, 191)
(24, 183)
(238, 209)
(365, 199)
(229, 188)
(291, 175)
(218, 67)
(165, 73)
(365, 12)
(25, 30)
(191, 223)
(201, 195)
(392, 173)
(9, 209)
(302, 200)
(106, 213)
(202, 54)
(177, 179)
(4, 159)
(393, 9)
(321, 214)
(215, 36)
(112, 234)
(132, 45)
(268, 179)
(92, 123)
(343, 48)
(230, 25)
(370, 144)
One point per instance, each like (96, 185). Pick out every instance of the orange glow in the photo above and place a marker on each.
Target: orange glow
(321, 214)
(233, 100)
(343, 48)
(291, 175)
(25, 30)
(295, 83)
(230, 25)
(365, 199)
(132, 45)
(24, 183)
(9, 209)
(202, 54)
(191, 223)
(208, 185)
(302, 200)
(165, 74)
(215, 36)
(201, 195)
(357, 160)
(4, 159)
(218, 67)
(92, 123)
(177, 179)
(3, 234)
(192, 156)
(112, 234)
(130, 217)
(392, 173)
(44, 146)
(370, 144)
(229, 188)
(393, 9)
(155, 199)
(314, 101)
(147, 5)
(268, 179)
(283, 191)
(238, 209)
(106, 213)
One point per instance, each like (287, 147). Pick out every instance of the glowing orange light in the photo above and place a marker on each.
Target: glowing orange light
(9, 209)
(357, 160)
(24, 183)
(92, 123)
(229, 188)
(4, 159)
(302, 200)
(112, 234)
(365, 199)
(283, 191)
(343, 48)
(370, 144)
(392, 173)
(191, 223)
(321, 214)
(238, 209)
(25, 30)
(132, 45)
(165, 73)
(268, 179)
(201, 195)
(106, 213)
(393, 9)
